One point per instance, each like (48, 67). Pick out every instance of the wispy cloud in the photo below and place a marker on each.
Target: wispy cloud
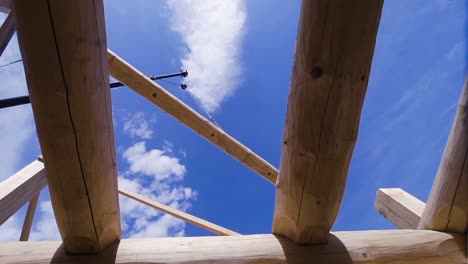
(212, 32)
(17, 125)
(137, 126)
(10, 229)
(155, 162)
(157, 174)
(45, 228)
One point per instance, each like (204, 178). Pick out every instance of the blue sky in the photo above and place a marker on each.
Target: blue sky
(238, 54)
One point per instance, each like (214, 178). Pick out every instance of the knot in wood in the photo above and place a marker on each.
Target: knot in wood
(316, 72)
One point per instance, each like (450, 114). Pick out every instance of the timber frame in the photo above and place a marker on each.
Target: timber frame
(324, 107)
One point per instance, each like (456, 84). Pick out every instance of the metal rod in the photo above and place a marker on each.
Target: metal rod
(152, 77)
(21, 100)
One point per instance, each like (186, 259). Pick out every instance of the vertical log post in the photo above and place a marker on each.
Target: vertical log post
(332, 61)
(63, 45)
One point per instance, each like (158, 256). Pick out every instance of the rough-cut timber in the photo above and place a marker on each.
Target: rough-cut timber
(6, 31)
(399, 207)
(28, 219)
(219, 230)
(332, 61)
(63, 45)
(447, 205)
(363, 247)
(5, 6)
(157, 95)
(20, 188)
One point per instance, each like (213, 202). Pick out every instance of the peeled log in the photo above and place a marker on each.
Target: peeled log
(360, 247)
(63, 45)
(7, 29)
(447, 206)
(332, 61)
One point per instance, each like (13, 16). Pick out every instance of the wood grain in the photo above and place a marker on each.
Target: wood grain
(399, 207)
(28, 219)
(157, 95)
(5, 6)
(219, 230)
(63, 45)
(332, 60)
(6, 31)
(20, 188)
(447, 206)
(377, 247)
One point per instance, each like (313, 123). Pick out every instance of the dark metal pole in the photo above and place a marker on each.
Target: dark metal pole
(21, 100)
(4, 103)
(152, 77)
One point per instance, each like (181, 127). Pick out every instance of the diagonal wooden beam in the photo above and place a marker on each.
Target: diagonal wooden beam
(399, 207)
(157, 95)
(219, 230)
(6, 31)
(21, 187)
(5, 6)
(63, 46)
(447, 206)
(332, 60)
(359, 247)
(28, 219)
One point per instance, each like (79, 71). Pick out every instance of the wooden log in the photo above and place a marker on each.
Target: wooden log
(399, 207)
(363, 247)
(219, 230)
(21, 187)
(6, 31)
(332, 61)
(447, 205)
(63, 45)
(5, 6)
(28, 219)
(157, 95)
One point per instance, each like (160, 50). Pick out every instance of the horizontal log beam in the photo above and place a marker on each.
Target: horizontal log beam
(157, 95)
(20, 188)
(447, 206)
(399, 207)
(389, 246)
(63, 46)
(219, 230)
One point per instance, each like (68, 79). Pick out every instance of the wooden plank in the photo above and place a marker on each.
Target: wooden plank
(219, 230)
(363, 247)
(6, 31)
(399, 207)
(447, 205)
(28, 219)
(332, 61)
(5, 6)
(157, 95)
(21, 187)
(63, 45)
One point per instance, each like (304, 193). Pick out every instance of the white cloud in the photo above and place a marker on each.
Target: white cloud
(164, 226)
(153, 162)
(156, 174)
(10, 230)
(212, 32)
(17, 124)
(45, 228)
(16, 127)
(137, 126)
